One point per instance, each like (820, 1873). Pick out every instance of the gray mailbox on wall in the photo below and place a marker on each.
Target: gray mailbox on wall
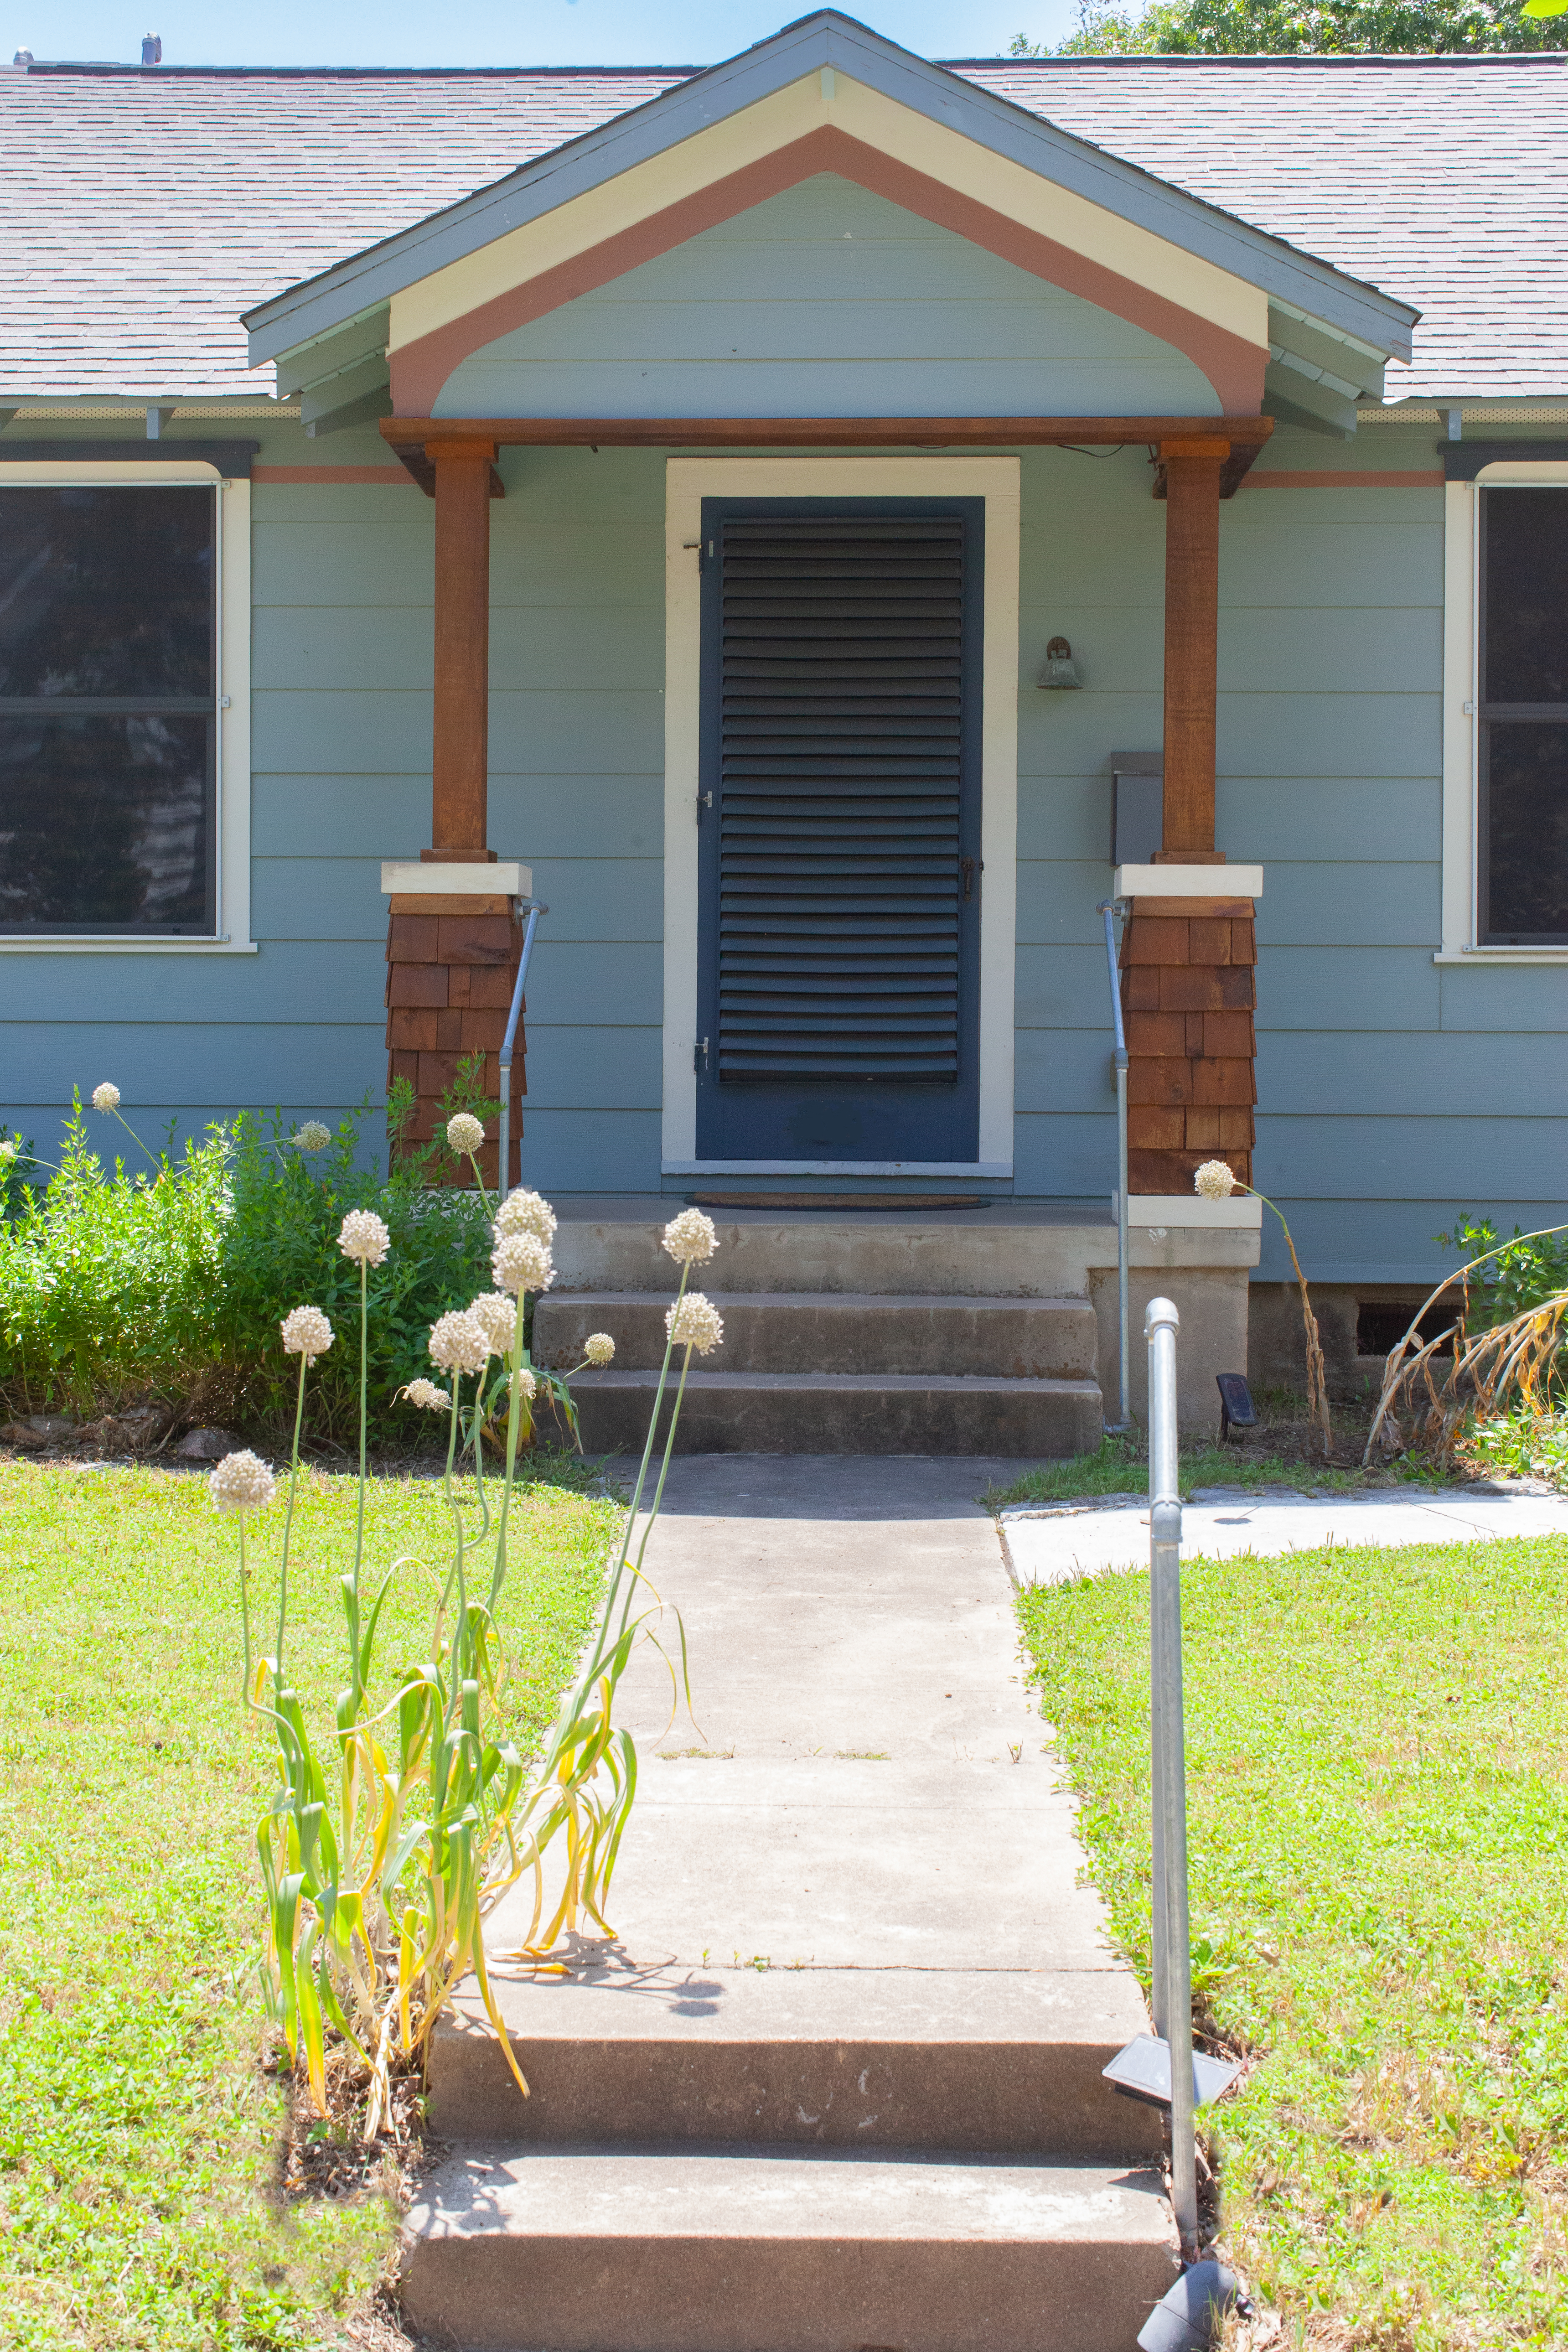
(1137, 806)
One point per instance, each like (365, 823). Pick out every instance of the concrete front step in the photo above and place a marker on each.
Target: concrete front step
(1008, 1250)
(575, 2250)
(839, 1331)
(846, 1412)
(983, 2060)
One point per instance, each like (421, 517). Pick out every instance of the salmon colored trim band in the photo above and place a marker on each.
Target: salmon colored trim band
(1233, 366)
(382, 477)
(1347, 480)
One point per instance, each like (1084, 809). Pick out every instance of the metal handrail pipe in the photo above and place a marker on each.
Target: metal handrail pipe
(1172, 1924)
(535, 907)
(1110, 907)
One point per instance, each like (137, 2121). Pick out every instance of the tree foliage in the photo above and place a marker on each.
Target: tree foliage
(1214, 28)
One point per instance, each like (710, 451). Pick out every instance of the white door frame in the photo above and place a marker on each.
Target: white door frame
(688, 481)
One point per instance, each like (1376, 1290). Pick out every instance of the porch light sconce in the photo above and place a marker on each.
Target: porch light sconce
(1060, 671)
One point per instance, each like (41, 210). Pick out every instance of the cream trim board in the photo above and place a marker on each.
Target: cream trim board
(1461, 731)
(946, 155)
(1461, 509)
(688, 480)
(232, 684)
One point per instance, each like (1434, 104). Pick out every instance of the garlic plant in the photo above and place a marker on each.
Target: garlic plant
(388, 1841)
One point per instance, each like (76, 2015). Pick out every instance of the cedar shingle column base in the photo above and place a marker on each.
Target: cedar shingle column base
(1188, 995)
(452, 962)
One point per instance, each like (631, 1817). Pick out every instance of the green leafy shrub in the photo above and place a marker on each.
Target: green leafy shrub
(118, 1281)
(1516, 1276)
(1525, 1444)
(279, 1246)
(105, 1277)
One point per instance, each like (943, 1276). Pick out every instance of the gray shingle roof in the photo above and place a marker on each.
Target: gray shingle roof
(1443, 180)
(146, 211)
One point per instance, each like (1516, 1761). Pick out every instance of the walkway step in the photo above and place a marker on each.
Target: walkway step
(847, 1413)
(1004, 2062)
(840, 1331)
(725, 2251)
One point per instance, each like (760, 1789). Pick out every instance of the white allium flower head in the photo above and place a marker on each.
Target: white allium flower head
(364, 1237)
(525, 1213)
(527, 1386)
(465, 1132)
(106, 1097)
(458, 1343)
(496, 1316)
(310, 1135)
(690, 1237)
(1215, 1180)
(695, 1322)
(599, 1348)
(242, 1482)
(426, 1393)
(522, 1262)
(306, 1332)
(8, 1148)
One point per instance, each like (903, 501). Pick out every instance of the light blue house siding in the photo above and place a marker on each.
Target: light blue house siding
(1393, 1093)
(828, 300)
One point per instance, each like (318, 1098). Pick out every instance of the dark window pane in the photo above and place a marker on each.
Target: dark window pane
(1525, 831)
(105, 822)
(106, 590)
(1526, 596)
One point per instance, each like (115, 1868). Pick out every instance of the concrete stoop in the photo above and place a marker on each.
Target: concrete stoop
(891, 1334)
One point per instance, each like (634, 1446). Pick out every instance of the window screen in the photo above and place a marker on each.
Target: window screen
(1524, 717)
(108, 715)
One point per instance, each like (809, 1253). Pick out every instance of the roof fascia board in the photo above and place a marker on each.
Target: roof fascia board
(829, 41)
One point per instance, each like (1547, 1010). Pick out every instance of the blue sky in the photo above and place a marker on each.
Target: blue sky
(543, 32)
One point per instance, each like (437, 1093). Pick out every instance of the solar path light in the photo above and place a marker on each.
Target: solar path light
(1236, 1409)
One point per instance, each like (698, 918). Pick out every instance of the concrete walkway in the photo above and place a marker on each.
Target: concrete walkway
(837, 2078)
(866, 1784)
(1052, 1543)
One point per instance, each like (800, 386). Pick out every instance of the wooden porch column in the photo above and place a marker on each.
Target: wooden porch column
(1192, 471)
(460, 765)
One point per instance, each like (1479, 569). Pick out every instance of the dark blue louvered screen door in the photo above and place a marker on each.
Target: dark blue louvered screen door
(838, 803)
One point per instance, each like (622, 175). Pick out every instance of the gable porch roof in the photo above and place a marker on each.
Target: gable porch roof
(828, 95)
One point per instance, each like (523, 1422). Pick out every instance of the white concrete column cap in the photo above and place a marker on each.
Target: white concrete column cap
(1188, 882)
(412, 877)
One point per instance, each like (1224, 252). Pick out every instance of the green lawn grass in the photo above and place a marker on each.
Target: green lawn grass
(1378, 1776)
(138, 2134)
(1121, 1466)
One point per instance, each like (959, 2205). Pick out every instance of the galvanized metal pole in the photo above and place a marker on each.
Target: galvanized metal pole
(535, 909)
(1173, 1944)
(1124, 1421)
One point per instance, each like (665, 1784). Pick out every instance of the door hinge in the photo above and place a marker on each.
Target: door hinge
(705, 800)
(970, 867)
(700, 1056)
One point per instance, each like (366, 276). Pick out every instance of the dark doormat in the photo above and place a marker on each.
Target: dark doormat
(837, 1200)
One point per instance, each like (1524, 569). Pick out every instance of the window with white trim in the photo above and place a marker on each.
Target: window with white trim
(109, 711)
(1522, 813)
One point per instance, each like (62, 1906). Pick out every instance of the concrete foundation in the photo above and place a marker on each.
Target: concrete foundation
(1277, 1354)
